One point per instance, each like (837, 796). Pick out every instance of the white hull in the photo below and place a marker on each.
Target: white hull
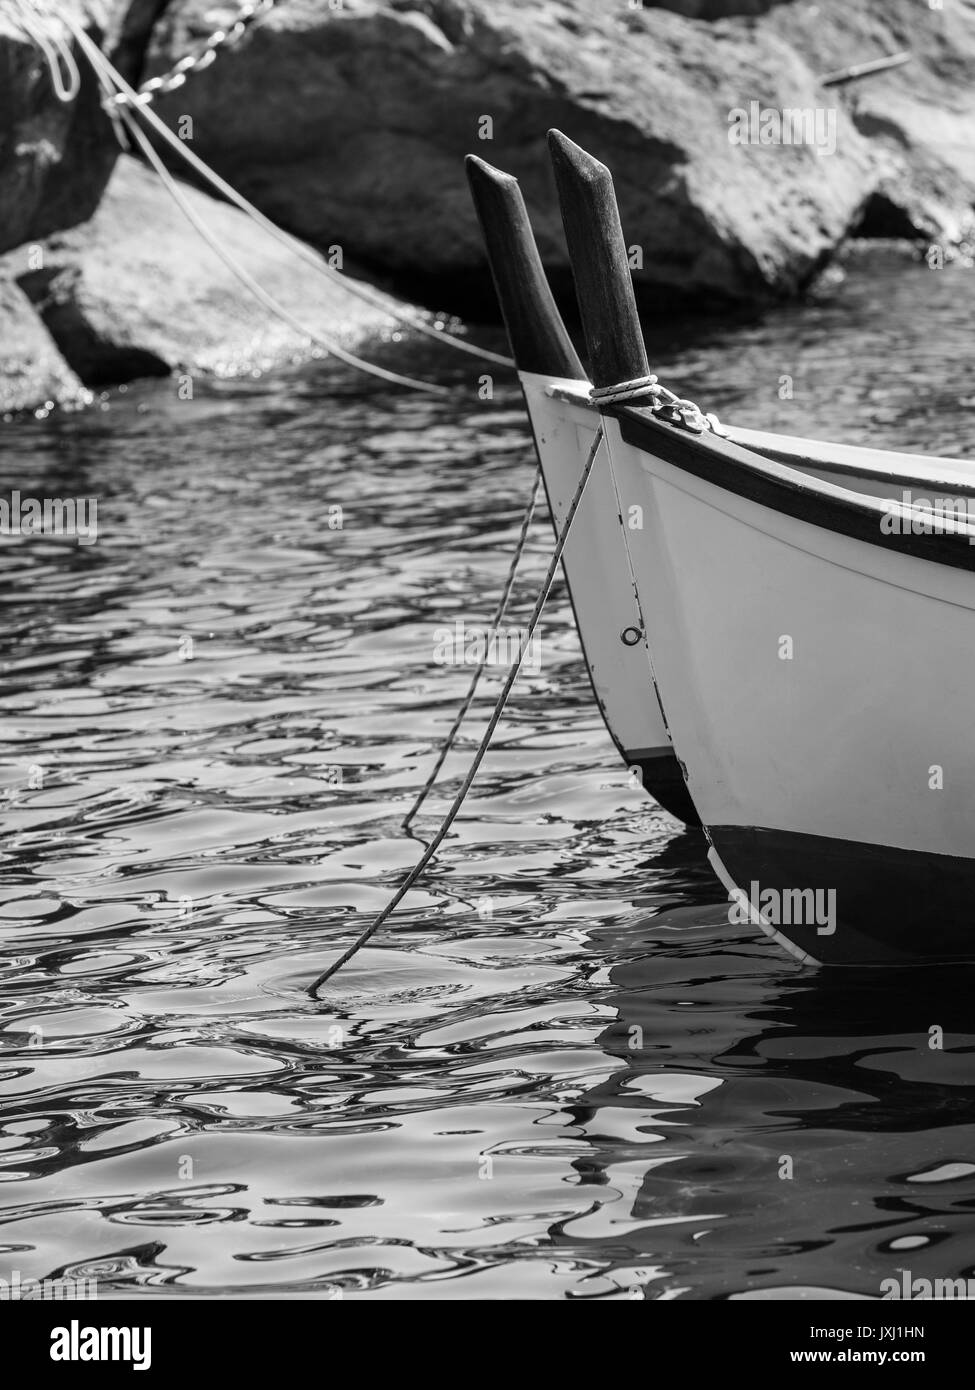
(601, 587)
(818, 681)
(598, 571)
(814, 665)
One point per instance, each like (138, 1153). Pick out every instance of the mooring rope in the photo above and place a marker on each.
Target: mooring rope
(102, 64)
(351, 359)
(482, 748)
(496, 621)
(53, 46)
(256, 289)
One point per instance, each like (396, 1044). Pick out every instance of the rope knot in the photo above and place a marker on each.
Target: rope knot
(665, 405)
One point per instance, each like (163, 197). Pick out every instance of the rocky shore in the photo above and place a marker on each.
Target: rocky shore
(346, 121)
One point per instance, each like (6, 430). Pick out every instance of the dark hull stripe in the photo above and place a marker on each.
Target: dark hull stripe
(773, 485)
(892, 906)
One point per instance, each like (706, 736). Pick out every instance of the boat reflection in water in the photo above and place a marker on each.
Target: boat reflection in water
(771, 1128)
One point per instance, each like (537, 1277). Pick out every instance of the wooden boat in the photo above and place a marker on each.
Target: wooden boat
(564, 423)
(809, 645)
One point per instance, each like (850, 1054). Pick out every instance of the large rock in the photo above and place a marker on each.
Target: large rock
(137, 292)
(56, 157)
(919, 118)
(349, 123)
(33, 374)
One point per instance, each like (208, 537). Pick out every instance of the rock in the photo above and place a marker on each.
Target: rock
(56, 157)
(121, 303)
(349, 122)
(32, 372)
(919, 118)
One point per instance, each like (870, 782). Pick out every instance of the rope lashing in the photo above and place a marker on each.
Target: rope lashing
(103, 66)
(458, 801)
(675, 410)
(626, 391)
(496, 621)
(65, 77)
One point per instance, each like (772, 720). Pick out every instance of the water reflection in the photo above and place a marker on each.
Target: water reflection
(561, 1072)
(770, 1129)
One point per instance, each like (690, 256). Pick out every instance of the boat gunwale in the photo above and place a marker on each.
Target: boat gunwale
(934, 470)
(767, 483)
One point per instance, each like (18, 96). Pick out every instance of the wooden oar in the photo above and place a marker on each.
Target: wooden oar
(538, 337)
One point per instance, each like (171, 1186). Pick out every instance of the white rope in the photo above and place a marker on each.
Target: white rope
(493, 722)
(246, 279)
(98, 59)
(675, 409)
(496, 621)
(257, 290)
(626, 391)
(53, 46)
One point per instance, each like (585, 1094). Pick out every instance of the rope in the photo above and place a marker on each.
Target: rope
(257, 290)
(53, 46)
(98, 59)
(100, 65)
(495, 719)
(496, 622)
(626, 391)
(674, 409)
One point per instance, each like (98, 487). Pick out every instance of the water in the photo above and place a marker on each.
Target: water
(562, 1074)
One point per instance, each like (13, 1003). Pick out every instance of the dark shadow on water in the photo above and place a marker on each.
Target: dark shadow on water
(764, 1111)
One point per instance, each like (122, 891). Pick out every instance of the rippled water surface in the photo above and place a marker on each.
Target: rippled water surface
(561, 1073)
